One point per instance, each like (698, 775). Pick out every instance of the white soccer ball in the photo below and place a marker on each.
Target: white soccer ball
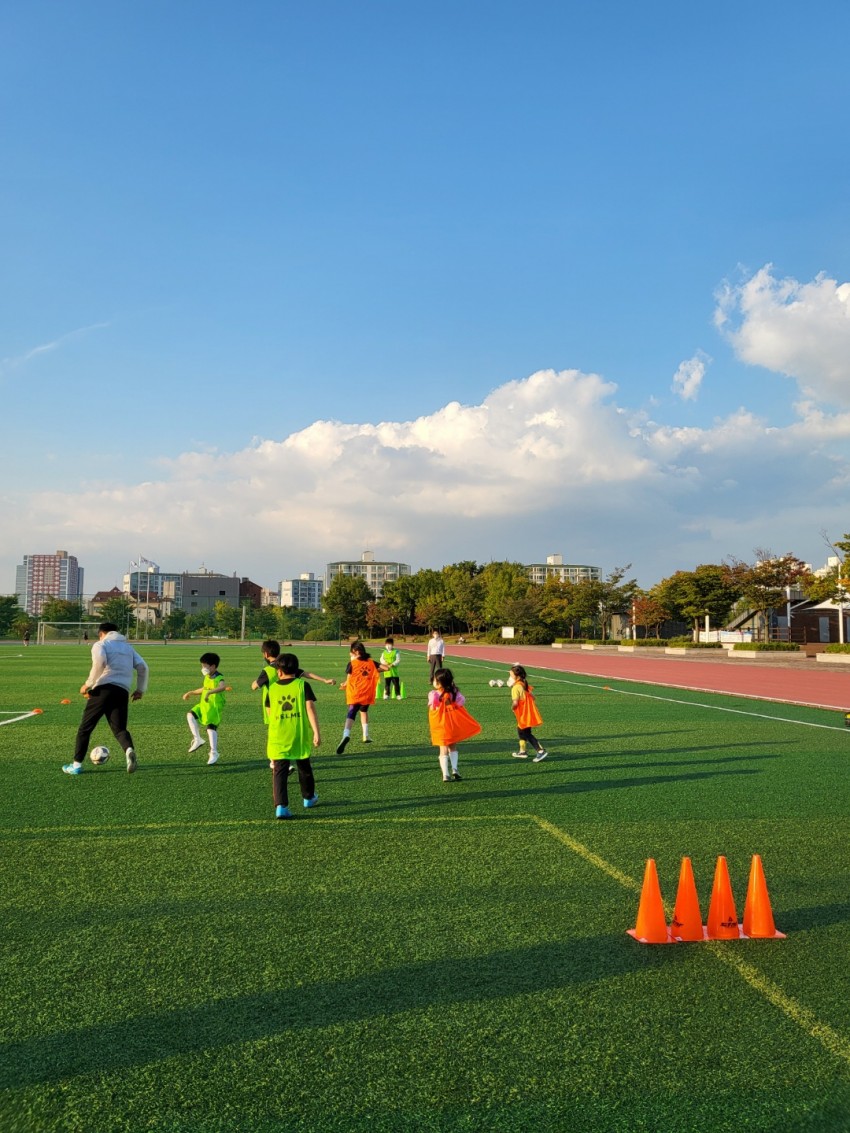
(500, 684)
(493, 684)
(99, 756)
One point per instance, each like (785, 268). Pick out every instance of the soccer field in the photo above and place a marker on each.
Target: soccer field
(414, 955)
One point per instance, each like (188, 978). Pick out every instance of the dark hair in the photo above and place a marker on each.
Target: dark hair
(389, 641)
(521, 675)
(360, 649)
(271, 648)
(108, 627)
(210, 659)
(445, 679)
(287, 663)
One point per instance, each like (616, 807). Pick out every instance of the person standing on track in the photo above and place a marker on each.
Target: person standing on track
(435, 653)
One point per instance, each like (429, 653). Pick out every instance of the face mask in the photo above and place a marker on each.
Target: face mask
(206, 672)
(511, 681)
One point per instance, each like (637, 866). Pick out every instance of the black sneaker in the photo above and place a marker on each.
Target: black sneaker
(342, 745)
(456, 776)
(366, 740)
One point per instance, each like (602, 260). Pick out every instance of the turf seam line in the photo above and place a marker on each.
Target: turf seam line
(696, 703)
(804, 1018)
(235, 823)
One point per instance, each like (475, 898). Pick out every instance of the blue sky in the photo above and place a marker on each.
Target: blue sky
(280, 283)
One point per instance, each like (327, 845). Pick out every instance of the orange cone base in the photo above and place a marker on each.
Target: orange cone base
(741, 936)
(642, 939)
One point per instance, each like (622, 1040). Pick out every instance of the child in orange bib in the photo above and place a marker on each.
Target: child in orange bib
(361, 682)
(449, 722)
(525, 710)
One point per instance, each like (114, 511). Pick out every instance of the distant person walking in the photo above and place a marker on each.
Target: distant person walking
(435, 653)
(107, 689)
(26, 638)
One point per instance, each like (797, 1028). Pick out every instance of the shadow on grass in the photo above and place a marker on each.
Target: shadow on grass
(444, 982)
(817, 916)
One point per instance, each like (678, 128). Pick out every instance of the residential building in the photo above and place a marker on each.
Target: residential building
(555, 567)
(154, 584)
(303, 593)
(376, 574)
(40, 577)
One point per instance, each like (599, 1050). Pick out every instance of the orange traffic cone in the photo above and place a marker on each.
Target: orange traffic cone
(722, 915)
(66, 701)
(651, 926)
(758, 915)
(687, 919)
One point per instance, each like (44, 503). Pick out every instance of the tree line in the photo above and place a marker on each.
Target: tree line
(478, 599)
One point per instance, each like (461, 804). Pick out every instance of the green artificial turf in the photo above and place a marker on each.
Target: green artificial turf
(412, 954)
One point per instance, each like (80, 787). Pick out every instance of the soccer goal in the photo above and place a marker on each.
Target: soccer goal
(73, 633)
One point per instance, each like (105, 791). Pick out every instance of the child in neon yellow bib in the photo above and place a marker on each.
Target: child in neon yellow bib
(207, 712)
(293, 733)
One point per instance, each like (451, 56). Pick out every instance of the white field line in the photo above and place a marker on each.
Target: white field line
(828, 1038)
(675, 700)
(15, 719)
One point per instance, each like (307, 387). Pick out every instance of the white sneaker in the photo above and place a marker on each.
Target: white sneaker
(131, 760)
(195, 744)
(541, 755)
(520, 754)
(212, 759)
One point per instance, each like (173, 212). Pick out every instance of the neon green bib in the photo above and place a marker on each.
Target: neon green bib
(290, 734)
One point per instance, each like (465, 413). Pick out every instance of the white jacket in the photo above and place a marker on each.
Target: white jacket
(113, 660)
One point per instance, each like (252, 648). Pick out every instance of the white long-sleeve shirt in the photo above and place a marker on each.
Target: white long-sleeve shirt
(437, 646)
(113, 660)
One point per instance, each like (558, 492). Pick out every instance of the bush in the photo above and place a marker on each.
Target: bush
(837, 649)
(767, 646)
(703, 645)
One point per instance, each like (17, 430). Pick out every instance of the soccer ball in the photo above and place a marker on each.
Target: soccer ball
(99, 756)
(493, 684)
(500, 684)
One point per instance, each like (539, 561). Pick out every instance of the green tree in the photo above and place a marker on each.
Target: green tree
(119, 611)
(62, 610)
(503, 583)
(174, 624)
(227, 619)
(10, 611)
(400, 597)
(464, 590)
(557, 608)
(710, 591)
(346, 598)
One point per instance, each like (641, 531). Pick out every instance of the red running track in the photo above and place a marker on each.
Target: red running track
(792, 682)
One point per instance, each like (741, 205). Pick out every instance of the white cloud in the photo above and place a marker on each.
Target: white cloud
(547, 464)
(688, 377)
(798, 329)
(7, 364)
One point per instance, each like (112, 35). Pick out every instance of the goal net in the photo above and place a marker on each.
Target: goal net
(75, 633)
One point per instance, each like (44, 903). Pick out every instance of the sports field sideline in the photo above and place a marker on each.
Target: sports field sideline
(413, 954)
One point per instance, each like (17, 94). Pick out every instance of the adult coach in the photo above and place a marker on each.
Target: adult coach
(107, 687)
(436, 651)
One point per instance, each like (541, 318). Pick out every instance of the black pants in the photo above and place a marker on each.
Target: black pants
(436, 662)
(526, 734)
(110, 701)
(388, 685)
(280, 775)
